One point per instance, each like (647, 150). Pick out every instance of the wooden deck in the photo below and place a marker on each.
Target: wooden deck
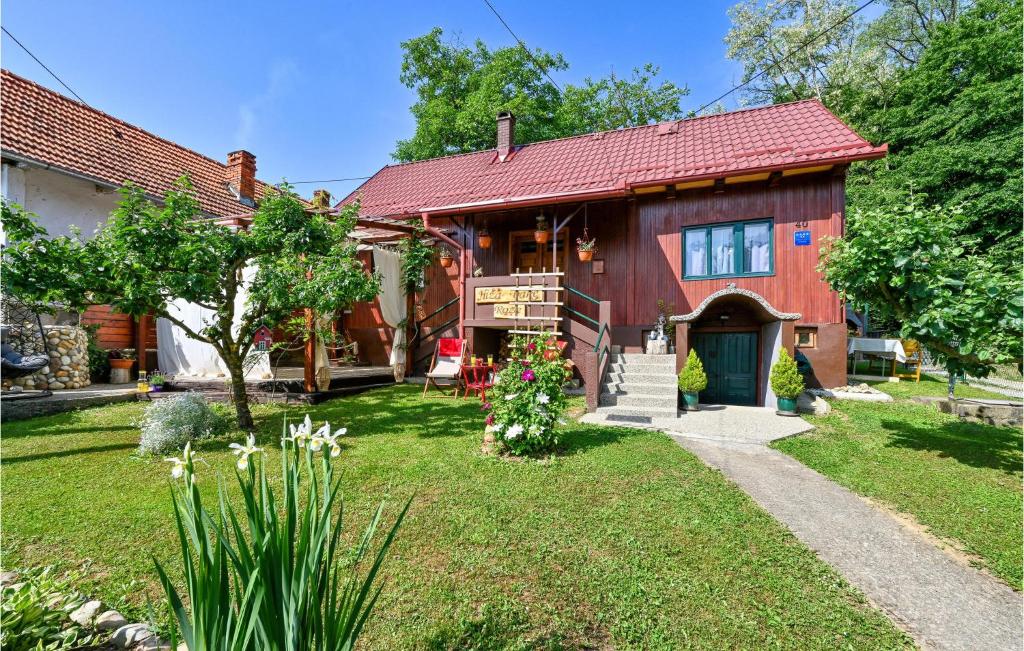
(288, 384)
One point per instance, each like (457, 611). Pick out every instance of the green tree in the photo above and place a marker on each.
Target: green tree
(460, 89)
(953, 126)
(147, 255)
(914, 265)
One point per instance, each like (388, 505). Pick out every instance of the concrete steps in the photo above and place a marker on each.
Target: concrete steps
(638, 387)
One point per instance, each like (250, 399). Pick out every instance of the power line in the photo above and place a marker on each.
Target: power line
(791, 53)
(523, 45)
(351, 178)
(45, 67)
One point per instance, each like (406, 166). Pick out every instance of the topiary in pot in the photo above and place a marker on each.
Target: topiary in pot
(692, 380)
(787, 383)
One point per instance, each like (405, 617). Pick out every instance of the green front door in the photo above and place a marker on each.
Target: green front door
(730, 360)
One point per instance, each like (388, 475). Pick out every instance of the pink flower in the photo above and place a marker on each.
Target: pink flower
(485, 407)
(489, 420)
(528, 375)
(531, 346)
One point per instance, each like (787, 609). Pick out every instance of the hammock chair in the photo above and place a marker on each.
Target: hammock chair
(23, 348)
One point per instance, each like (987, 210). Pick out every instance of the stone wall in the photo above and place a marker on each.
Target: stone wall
(68, 347)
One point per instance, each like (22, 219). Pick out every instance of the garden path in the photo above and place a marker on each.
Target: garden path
(939, 599)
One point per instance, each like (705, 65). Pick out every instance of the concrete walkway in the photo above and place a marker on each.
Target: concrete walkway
(731, 423)
(942, 602)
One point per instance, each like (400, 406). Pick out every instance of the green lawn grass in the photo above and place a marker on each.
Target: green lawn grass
(623, 540)
(961, 480)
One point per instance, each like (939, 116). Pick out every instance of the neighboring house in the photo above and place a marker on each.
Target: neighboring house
(64, 161)
(720, 216)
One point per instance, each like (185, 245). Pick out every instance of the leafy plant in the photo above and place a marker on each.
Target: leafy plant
(416, 257)
(34, 613)
(586, 245)
(99, 360)
(157, 378)
(785, 378)
(913, 265)
(169, 423)
(273, 576)
(287, 259)
(527, 400)
(122, 353)
(445, 252)
(692, 378)
(666, 310)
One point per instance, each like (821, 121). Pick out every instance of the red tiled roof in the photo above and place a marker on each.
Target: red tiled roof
(43, 126)
(797, 134)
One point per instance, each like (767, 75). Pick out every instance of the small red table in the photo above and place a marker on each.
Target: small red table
(478, 378)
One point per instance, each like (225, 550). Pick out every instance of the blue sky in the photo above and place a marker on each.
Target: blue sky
(312, 88)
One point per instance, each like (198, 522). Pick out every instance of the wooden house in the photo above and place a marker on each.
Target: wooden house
(720, 217)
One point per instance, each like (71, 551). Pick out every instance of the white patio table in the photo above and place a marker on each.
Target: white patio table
(884, 348)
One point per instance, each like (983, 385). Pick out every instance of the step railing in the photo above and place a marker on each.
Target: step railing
(598, 356)
(418, 338)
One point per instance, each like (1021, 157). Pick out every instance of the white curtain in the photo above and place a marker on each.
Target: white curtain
(180, 355)
(392, 297)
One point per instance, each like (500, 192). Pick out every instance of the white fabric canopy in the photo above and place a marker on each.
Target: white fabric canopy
(180, 355)
(392, 298)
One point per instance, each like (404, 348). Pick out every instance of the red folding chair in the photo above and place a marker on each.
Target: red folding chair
(446, 364)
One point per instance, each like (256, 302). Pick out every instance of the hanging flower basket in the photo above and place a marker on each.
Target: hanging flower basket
(541, 235)
(445, 257)
(586, 247)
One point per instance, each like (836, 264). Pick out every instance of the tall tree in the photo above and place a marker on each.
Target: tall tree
(460, 89)
(953, 125)
(146, 256)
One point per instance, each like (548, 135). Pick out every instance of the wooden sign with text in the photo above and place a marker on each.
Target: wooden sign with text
(506, 311)
(490, 295)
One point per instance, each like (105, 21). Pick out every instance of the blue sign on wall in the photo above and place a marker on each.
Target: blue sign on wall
(802, 238)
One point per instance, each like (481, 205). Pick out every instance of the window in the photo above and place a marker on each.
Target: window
(806, 337)
(738, 249)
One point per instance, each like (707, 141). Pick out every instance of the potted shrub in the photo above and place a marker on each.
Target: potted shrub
(156, 381)
(121, 365)
(541, 235)
(446, 257)
(586, 248)
(692, 380)
(787, 383)
(483, 238)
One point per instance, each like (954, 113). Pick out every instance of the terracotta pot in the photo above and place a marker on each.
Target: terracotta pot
(446, 261)
(585, 256)
(541, 237)
(484, 241)
(121, 363)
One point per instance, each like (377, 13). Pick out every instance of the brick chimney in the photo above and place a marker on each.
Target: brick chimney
(506, 134)
(242, 175)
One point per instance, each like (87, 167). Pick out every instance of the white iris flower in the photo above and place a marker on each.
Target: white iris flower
(300, 434)
(245, 451)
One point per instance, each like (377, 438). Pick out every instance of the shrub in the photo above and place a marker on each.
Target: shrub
(99, 360)
(170, 423)
(273, 576)
(693, 379)
(527, 400)
(785, 377)
(35, 613)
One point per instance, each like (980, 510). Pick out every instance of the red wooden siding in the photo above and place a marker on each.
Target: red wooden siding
(116, 330)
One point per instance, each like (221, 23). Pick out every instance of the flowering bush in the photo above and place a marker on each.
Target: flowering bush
(527, 400)
(274, 575)
(170, 423)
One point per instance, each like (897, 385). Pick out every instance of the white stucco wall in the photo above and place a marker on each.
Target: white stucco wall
(60, 201)
(771, 342)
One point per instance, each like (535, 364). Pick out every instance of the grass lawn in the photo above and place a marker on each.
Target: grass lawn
(624, 540)
(961, 480)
